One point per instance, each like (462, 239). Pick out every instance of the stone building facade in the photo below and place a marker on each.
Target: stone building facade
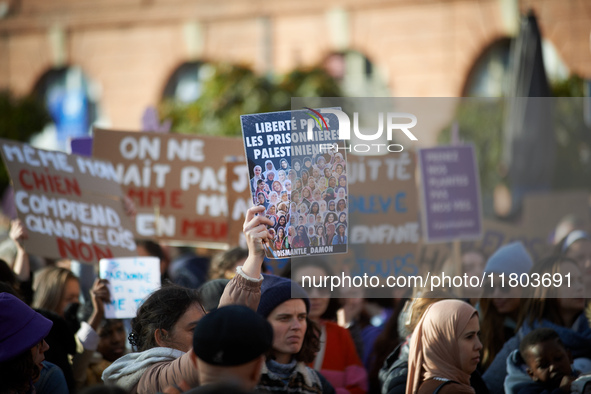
(130, 48)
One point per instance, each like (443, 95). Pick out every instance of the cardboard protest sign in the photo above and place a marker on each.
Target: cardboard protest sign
(177, 181)
(495, 234)
(71, 205)
(300, 177)
(555, 206)
(237, 185)
(384, 214)
(383, 228)
(451, 203)
(131, 280)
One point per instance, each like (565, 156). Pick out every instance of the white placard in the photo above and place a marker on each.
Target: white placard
(131, 280)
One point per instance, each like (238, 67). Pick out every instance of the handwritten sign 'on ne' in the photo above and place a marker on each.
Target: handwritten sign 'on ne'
(131, 280)
(177, 181)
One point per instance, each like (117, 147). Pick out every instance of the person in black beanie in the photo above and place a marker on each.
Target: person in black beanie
(229, 347)
(296, 339)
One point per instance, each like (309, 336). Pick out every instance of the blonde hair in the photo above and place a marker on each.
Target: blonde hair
(492, 339)
(48, 287)
(420, 304)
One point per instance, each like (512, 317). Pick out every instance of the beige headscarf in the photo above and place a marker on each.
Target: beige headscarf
(434, 349)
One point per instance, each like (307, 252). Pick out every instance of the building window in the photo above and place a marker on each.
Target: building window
(357, 75)
(72, 103)
(186, 83)
(489, 74)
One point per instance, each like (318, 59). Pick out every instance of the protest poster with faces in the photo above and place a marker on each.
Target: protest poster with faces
(298, 172)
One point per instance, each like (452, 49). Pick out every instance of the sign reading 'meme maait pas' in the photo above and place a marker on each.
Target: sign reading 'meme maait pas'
(72, 206)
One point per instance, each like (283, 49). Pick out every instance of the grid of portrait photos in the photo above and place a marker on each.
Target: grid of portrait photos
(305, 199)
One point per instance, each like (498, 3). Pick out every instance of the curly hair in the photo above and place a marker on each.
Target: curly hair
(311, 344)
(161, 310)
(19, 373)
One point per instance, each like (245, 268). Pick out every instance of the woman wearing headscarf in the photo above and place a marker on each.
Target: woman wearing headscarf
(269, 179)
(320, 162)
(284, 165)
(444, 350)
(262, 201)
(307, 163)
(330, 232)
(577, 246)
(281, 176)
(269, 168)
(297, 165)
(301, 239)
(257, 170)
(340, 238)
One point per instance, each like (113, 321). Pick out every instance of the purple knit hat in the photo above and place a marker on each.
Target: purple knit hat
(21, 327)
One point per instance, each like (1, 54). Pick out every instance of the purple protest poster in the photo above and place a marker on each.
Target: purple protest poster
(81, 146)
(451, 204)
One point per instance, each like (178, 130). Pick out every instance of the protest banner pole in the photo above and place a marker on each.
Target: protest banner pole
(456, 245)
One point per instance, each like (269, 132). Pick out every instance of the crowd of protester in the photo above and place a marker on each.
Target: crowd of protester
(228, 326)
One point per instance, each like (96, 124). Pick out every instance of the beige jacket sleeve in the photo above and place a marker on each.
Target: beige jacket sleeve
(161, 375)
(241, 290)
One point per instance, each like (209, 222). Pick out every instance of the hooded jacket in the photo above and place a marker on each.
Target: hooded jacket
(576, 338)
(153, 370)
(519, 382)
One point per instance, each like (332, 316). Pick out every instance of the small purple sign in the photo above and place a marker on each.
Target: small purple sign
(81, 146)
(451, 204)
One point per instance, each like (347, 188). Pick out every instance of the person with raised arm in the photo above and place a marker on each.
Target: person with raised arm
(163, 344)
